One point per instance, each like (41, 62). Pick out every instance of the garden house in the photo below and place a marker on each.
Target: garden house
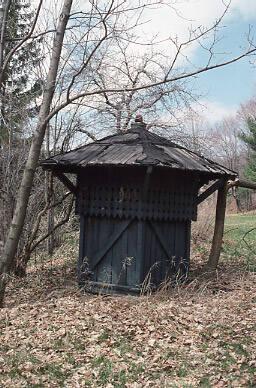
(136, 195)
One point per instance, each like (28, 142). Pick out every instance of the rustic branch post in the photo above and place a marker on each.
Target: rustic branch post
(220, 219)
(218, 228)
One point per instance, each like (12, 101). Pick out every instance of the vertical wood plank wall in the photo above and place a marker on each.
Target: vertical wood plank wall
(134, 224)
(136, 253)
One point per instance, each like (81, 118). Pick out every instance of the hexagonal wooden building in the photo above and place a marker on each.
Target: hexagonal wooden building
(136, 195)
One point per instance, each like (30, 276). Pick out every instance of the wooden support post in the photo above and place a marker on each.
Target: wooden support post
(209, 191)
(64, 179)
(218, 228)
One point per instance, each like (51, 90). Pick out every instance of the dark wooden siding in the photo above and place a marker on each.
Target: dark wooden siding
(136, 195)
(124, 252)
(134, 227)
(156, 196)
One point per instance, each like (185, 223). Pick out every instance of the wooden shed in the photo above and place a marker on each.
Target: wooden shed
(136, 195)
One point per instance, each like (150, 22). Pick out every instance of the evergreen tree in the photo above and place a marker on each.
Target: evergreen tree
(19, 87)
(249, 139)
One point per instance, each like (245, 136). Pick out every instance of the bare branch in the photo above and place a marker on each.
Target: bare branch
(242, 183)
(147, 86)
(58, 225)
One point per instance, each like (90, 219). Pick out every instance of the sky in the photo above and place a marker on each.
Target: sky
(226, 88)
(223, 89)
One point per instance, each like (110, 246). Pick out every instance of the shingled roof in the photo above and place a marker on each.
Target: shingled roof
(137, 147)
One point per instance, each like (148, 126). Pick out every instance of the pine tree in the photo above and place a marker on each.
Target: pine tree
(18, 90)
(249, 139)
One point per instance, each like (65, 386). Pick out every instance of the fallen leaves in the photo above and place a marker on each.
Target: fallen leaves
(189, 338)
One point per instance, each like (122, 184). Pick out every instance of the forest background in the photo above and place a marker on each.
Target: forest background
(72, 72)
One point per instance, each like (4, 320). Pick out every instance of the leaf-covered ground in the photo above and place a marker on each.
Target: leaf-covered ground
(202, 334)
(199, 335)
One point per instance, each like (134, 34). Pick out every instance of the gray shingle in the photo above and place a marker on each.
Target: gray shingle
(137, 147)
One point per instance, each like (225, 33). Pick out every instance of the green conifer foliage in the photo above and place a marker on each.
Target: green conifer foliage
(250, 139)
(20, 85)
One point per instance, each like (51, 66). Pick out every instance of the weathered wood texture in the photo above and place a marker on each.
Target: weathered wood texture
(105, 192)
(134, 226)
(219, 227)
(242, 183)
(137, 147)
(67, 182)
(130, 251)
(209, 191)
(137, 193)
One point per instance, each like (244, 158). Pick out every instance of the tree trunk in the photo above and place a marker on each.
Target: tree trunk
(50, 214)
(218, 228)
(17, 223)
(4, 9)
(49, 199)
(237, 199)
(20, 268)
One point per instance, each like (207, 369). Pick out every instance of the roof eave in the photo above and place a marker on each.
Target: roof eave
(51, 164)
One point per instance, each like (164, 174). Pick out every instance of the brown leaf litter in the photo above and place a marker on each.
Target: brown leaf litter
(198, 335)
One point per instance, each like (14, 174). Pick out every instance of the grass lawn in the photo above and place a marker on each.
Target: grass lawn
(240, 239)
(201, 334)
(237, 225)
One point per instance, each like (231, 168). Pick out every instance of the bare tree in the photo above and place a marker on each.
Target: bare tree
(228, 146)
(115, 110)
(29, 171)
(90, 33)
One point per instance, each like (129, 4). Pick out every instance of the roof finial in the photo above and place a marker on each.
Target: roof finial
(138, 123)
(138, 118)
